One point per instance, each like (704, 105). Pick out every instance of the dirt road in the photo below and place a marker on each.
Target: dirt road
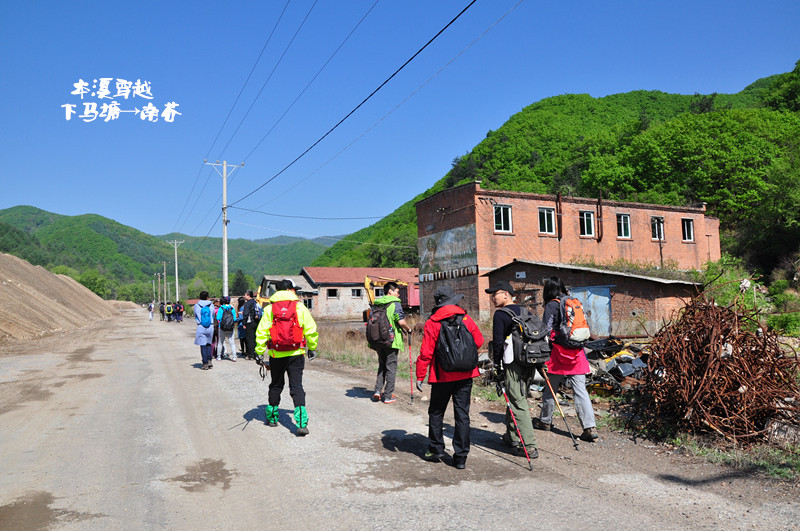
(115, 427)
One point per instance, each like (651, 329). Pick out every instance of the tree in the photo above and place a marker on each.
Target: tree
(784, 94)
(240, 284)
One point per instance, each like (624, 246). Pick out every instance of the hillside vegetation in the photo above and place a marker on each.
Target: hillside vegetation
(117, 261)
(739, 153)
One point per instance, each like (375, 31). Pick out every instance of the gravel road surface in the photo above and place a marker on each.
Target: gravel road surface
(116, 427)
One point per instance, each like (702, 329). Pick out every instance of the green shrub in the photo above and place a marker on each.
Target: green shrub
(787, 324)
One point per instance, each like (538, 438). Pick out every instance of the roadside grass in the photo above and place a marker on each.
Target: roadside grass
(772, 461)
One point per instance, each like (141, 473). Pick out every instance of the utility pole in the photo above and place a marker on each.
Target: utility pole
(158, 276)
(176, 244)
(224, 176)
(165, 281)
(154, 289)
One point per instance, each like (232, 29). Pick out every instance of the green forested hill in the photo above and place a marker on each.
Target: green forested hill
(117, 261)
(739, 153)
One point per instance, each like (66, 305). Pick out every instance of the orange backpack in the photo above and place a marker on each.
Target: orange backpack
(573, 331)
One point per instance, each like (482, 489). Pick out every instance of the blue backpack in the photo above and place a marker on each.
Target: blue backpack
(205, 316)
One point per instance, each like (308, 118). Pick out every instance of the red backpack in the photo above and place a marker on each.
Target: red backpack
(286, 333)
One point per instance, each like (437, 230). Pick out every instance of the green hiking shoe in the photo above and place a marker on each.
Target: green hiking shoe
(301, 420)
(272, 415)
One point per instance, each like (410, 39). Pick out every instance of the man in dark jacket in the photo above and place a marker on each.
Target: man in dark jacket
(513, 377)
(250, 323)
(445, 385)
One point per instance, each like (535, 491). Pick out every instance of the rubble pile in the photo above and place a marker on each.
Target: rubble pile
(714, 370)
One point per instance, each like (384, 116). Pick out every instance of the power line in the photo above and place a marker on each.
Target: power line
(385, 116)
(269, 77)
(356, 108)
(302, 217)
(178, 224)
(325, 237)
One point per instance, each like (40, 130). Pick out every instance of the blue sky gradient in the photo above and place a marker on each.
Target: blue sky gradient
(150, 175)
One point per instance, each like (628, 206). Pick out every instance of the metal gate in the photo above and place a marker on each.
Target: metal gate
(596, 301)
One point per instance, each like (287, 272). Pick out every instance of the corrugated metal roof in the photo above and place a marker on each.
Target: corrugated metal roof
(356, 275)
(596, 270)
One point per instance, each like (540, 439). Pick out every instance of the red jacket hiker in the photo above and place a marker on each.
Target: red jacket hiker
(429, 338)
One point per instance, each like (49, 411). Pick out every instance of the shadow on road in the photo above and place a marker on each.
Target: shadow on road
(358, 392)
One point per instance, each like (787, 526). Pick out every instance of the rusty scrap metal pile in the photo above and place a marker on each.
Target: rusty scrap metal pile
(713, 370)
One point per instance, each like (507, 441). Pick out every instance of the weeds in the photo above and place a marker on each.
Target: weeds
(769, 460)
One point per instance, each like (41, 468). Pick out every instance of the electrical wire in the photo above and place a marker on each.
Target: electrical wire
(354, 109)
(311, 236)
(301, 217)
(268, 78)
(178, 223)
(385, 116)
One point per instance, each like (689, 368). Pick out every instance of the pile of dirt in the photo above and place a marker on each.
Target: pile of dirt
(37, 303)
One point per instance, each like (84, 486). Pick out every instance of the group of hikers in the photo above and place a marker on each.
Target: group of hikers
(170, 311)
(283, 334)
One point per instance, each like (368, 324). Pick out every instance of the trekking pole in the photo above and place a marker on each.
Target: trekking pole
(410, 370)
(508, 404)
(555, 398)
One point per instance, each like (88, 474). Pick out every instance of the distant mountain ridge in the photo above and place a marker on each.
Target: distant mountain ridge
(125, 255)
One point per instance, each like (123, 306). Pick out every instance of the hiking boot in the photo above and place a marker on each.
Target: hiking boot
(460, 465)
(272, 415)
(539, 425)
(533, 452)
(204, 367)
(433, 457)
(390, 399)
(376, 397)
(589, 435)
(210, 365)
(301, 420)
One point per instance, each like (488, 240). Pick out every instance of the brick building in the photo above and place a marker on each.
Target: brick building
(341, 293)
(465, 232)
(618, 304)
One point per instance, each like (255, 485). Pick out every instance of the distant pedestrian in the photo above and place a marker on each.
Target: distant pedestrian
(168, 311)
(205, 329)
(251, 318)
(226, 321)
(178, 311)
(240, 333)
(150, 309)
(387, 356)
(161, 310)
(515, 379)
(284, 332)
(446, 385)
(565, 363)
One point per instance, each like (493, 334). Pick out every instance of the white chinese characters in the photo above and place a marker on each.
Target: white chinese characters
(109, 107)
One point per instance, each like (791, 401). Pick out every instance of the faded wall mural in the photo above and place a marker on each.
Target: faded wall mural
(450, 249)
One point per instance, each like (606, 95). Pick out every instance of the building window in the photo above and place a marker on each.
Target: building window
(502, 218)
(547, 221)
(623, 226)
(333, 293)
(587, 223)
(657, 228)
(379, 292)
(355, 293)
(309, 303)
(688, 229)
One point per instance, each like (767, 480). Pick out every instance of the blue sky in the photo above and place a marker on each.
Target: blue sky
(150, 175)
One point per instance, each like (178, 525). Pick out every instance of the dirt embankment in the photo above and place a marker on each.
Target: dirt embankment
(37, 303)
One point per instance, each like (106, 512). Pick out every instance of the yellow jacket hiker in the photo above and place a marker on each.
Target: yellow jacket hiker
(286, 357)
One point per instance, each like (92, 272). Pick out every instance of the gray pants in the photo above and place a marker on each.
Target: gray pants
(517, 392)
(583, 404)
(387, 372)
(226, 336)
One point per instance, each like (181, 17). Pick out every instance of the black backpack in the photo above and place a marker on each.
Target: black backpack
(528, 338)
(456, 350)
(379, 332)
(227, 321)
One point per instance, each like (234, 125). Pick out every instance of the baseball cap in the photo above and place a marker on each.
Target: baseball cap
(501, 285)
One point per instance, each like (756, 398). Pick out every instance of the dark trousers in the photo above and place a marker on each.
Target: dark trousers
(441, 392)
(207, 353)
(291, 366)
(250, 339)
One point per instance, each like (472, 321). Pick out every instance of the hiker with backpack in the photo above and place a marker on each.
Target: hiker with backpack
(564, 319)
(385, 327)
(284, 332)
(240, 327)
(205, 329)
(251, 313)
(168, 311)
(161, 310)
(513, 372)
(226, 319)
(449, 356)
